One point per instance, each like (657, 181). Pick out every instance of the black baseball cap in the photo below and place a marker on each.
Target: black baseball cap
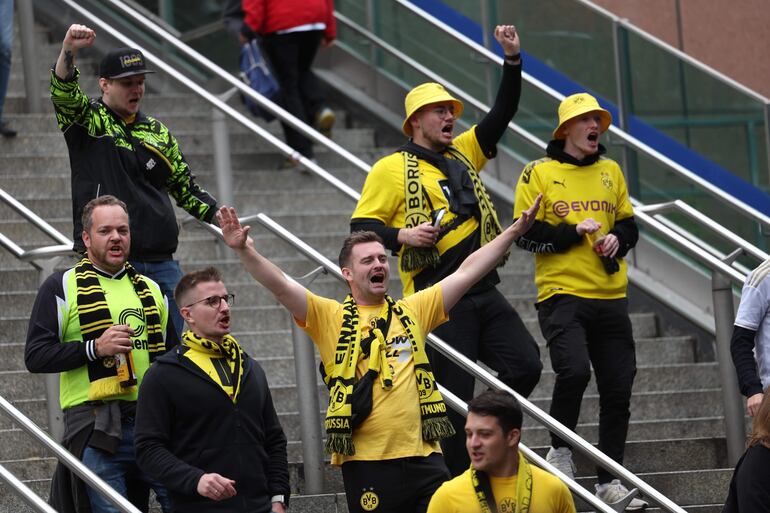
(123, 62)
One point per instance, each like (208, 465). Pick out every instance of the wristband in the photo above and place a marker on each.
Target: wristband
(513, 57)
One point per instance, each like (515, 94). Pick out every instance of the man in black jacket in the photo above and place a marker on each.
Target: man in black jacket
(116, 149)
(206, 426)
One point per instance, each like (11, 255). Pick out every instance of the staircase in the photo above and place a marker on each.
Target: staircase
(676, 441)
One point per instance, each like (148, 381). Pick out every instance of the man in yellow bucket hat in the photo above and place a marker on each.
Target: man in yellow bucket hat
(429, 206)
(579, 238)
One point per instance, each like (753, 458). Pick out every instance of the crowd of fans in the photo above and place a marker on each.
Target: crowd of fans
(188, 413)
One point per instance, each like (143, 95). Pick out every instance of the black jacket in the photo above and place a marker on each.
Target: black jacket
(749, 490)
(187, 426)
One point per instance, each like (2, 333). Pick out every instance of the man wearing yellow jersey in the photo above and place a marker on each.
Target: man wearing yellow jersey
(579, 239)
(385, 413)
(437, 174)
(499, 479)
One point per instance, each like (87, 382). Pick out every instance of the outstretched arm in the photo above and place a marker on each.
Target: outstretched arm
(77, 37)
(484, 259)
(289, 293)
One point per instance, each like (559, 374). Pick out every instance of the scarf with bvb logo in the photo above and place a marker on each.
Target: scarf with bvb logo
(222, 362)
(340, 377)
(95, 318)
(486, 498)
(469, 197)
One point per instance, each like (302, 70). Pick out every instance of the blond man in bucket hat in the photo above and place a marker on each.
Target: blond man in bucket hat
(581, 235)
(429, 206)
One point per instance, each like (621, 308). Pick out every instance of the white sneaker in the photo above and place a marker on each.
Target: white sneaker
(614, 493)
(561, 458)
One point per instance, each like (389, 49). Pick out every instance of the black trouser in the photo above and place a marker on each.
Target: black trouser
(291, 56)
(483, 327)
(582, 332)
(402, 485)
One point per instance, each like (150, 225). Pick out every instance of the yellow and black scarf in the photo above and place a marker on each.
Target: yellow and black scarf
(486, 498)
(340, 377)
(95, 318)
(222, 362)
(416, 204)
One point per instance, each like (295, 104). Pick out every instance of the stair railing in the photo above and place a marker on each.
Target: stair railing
(723, 197)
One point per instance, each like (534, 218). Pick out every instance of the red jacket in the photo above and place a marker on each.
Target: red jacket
(268, 16)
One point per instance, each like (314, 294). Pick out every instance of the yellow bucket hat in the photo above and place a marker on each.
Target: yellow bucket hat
(425, 94)
(577, 105)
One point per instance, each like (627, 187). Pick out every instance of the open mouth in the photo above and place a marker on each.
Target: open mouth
(593, 136)
(377, 278)
(116, 250)
(447, 129)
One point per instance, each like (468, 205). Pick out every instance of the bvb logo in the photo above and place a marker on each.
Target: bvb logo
(424, 384)
(369, 501)
(337, 397)
(108, 362)
(607, 181)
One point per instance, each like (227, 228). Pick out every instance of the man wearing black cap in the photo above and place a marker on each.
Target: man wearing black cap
(116, 149)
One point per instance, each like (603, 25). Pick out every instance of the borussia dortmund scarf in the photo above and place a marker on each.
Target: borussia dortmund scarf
(483, 489)
(341, 378)
(222, 362)
(95, 318)
(457, 170)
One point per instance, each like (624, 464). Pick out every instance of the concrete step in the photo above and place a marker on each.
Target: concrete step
(269, 201)
(639, 429)
(680, 404)
(191, 142)
(651, 377)
(694, 487)
(645, 456)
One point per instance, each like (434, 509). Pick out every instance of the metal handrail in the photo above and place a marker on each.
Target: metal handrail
(675, 51)
(221, 105)
(716, 192)
(274, 108)
(75, 465)
(488, 379)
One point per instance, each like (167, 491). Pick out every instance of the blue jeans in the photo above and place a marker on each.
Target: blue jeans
(166, 274)
(6, 39)
(115, 468)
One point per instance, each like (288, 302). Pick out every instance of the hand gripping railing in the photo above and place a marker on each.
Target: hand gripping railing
(530, 409)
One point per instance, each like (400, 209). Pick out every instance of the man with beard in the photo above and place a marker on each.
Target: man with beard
(86, 321)
(579, 240)
(430, 207)
(206, 426)
(385, 413)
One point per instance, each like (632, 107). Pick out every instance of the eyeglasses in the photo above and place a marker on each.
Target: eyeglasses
(215, 301)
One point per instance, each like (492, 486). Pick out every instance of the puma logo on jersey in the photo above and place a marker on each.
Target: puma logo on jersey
(556, 182)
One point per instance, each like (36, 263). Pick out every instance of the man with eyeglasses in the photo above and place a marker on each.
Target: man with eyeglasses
(100, 325)
(430, 207)
(206, 426)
